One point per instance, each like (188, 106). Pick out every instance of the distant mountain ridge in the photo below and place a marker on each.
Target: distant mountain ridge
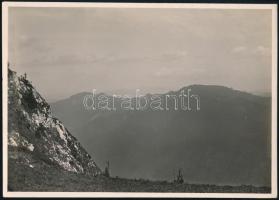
(227, 141)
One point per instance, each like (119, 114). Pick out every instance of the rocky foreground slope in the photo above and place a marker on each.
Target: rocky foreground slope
(36, 138)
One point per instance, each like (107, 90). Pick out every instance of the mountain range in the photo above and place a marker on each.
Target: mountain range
(227, 141)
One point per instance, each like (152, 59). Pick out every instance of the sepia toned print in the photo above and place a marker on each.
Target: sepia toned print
(139, 100)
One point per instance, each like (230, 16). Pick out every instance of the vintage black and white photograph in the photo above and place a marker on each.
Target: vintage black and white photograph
(139, 100)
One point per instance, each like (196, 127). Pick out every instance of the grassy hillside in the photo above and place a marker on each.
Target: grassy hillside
(37, 175)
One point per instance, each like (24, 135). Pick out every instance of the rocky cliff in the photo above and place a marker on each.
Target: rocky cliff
(33, 130)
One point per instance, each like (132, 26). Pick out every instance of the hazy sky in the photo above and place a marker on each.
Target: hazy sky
(65, 51)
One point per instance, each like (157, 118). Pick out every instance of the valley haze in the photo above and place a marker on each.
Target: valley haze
(231, 129)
